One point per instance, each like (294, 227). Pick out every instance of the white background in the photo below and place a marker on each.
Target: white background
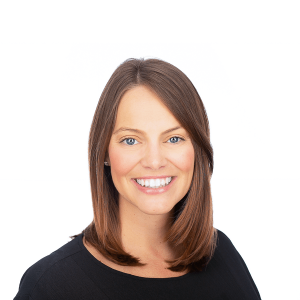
(242, 57)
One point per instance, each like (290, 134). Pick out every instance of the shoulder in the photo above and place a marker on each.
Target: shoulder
(228, 262)
(225, 248)
(46, 267)
(227, 256)
(223, 240)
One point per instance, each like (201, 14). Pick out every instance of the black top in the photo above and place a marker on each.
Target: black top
(72, 272)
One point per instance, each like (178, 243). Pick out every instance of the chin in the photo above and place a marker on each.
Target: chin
(155, 209)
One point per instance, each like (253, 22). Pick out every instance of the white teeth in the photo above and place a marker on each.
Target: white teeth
(154, 183)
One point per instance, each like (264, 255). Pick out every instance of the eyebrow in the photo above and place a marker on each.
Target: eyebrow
(142, 132)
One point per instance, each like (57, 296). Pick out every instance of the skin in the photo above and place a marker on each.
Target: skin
(145, 218)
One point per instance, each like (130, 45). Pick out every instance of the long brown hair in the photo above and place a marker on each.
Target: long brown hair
(192, 233)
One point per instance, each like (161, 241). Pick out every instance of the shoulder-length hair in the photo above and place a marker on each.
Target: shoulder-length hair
(191, 234)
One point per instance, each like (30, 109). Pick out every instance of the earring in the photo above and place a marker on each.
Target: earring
(106, 163)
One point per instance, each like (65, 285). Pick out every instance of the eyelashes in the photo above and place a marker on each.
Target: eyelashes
(130, 138)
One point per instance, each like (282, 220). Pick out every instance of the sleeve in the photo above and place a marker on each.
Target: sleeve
(236, 265)
(248, 273)
(31, 278)
(23, 297)
(25, 287)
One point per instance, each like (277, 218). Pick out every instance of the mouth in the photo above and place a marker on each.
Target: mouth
(154, 182)
(153, 177)
(154, 186)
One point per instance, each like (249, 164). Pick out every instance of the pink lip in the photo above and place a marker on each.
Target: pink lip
(150, 191)
(153, 177)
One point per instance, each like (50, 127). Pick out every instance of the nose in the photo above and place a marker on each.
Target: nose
(154, 157)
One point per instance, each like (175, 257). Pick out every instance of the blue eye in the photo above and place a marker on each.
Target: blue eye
(176, 137)
(128, 139)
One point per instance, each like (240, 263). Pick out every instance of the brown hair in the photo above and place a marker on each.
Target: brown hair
(192, 232)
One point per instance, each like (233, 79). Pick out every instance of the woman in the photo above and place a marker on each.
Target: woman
(152, 236)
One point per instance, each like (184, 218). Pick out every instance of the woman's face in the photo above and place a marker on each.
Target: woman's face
(149, 153)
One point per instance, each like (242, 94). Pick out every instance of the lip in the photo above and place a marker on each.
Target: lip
(153, 177)
(150, 191)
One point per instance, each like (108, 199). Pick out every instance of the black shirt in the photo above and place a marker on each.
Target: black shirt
(72, 272)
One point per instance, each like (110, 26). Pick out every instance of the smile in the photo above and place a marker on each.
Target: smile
(154, 186)
(154, 183)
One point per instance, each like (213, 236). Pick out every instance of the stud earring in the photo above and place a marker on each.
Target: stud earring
(106, 163)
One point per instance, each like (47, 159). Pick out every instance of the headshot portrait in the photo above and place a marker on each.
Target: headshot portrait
(150, 163)
(149, 152)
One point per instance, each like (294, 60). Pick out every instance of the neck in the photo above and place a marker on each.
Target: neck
(143, 234)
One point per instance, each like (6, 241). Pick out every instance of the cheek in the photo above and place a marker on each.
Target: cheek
(121, 162)
(185, 161)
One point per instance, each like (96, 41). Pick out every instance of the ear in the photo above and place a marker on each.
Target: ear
(107, 159)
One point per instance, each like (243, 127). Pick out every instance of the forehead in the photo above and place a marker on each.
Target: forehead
(141, 106)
